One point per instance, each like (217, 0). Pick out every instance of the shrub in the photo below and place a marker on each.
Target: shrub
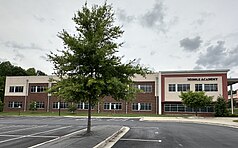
(1, 106)
(32, 106)
(220, 107)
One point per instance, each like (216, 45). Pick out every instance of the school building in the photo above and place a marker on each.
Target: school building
(160, 94)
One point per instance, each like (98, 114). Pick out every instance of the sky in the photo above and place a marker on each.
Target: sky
(163, 35)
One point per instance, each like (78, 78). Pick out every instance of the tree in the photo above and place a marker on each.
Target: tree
(88, 67)
(32, 106)
(220, 107)
(31, 72)
(196, 100)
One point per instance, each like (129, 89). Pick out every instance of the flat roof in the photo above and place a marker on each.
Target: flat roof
(196, 71)
(231, 81)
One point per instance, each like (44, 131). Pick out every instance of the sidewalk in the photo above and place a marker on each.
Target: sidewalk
(222, 121)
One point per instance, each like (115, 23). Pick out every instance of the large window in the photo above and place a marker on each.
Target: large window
(210, 87)
(16, 89)
(63, 105)
(40, 105)
(172, 87)
(146, 88)
(14, 104)
(198, 87)
(183, 87)
(182, 108)
(112, 106)
(36, 89)
(141, 106)
(83, 105)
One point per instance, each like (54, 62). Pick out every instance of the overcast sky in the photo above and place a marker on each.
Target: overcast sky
(160, 34)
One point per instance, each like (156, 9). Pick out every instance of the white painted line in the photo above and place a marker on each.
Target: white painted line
(58, 138)
(142, 140)
(4, 127)
(110, 141)
(29, 136)
(22, 129)
(33, 134)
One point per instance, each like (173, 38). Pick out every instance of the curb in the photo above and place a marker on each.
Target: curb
(110, 141)
(190, 121)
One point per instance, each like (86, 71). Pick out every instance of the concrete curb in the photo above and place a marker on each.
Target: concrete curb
(184, 120)
(110, 141)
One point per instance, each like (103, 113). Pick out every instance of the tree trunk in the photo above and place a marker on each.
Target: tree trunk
(196, 111)
(89, 115)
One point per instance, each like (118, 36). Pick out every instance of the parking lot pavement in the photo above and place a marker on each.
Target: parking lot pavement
(15, 136)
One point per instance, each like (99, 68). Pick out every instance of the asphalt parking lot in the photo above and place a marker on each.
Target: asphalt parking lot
(64, 132)
(32, 135)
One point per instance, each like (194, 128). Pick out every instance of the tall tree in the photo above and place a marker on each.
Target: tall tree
(31, 71)
(195, 100)
(88, 67)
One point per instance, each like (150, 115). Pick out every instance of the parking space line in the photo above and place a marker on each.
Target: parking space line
(4, 127)
(33, 134)
(22, 129)
(141, 140)
(65, 136)
(29, 136)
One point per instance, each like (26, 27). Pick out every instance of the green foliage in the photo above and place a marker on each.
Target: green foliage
(1, 106)
(32, 106)
(220, 107)
(72, 108)
(31, 72)
(196, 100)
(88, 67)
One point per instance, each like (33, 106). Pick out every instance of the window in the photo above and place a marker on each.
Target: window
(198, 87)
(35, 89)
(183, 87)
(146, 88)
(106, 106)
(141, 106)
(16, 89)
(12, 89)
(210, 87)
(172, 87)
(14, 104)
(83, 105)
(182, 108)
(63, 105)
(112, 106)
(55, 105)
(40, 105)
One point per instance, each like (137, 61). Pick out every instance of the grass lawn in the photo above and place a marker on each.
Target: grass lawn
(85, 114)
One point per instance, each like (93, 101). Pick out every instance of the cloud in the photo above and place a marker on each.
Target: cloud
(39, 18)
(174, 56)
(153, 53)
(13, 44)
(43, 57)
(18, 56)
(121, 13)
(155, 18)
(191, 44)
(218, 56)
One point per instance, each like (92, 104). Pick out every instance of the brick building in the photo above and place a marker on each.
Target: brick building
(160, 93)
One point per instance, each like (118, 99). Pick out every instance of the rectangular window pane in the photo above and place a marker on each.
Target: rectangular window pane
(146, 88)
(183, 87)
(18, 88)
(198, 87)
(106, 106)
(33, 88)
(210, 87)
(172, 87)
(11, 89)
